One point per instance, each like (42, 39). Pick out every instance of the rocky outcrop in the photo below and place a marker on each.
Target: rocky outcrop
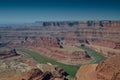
(13, 64)
(7, 52)
(108, 69)
(47, 42)
(79, 56)
(117, 46)
(14, 67)
(37, 74)
(87, 72)
(23, 67)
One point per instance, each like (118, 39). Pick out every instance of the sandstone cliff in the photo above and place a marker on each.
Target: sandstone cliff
(108, 69)
(87, 72)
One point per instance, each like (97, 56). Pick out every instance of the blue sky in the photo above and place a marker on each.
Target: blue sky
(17, 11)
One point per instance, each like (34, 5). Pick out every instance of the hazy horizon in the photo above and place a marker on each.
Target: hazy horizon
(20, 11)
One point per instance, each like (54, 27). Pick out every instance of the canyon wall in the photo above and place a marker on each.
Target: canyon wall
(108, 69)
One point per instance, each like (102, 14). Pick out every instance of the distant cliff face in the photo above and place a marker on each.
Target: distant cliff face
(108, 69)
(99, 33)
(89, 23)
(96, 33)
(92, 30)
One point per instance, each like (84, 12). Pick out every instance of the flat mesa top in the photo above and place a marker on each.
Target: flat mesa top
(69, 49)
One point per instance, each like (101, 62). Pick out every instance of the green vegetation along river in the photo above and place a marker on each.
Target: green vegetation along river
(97, 57)
(70, 69)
